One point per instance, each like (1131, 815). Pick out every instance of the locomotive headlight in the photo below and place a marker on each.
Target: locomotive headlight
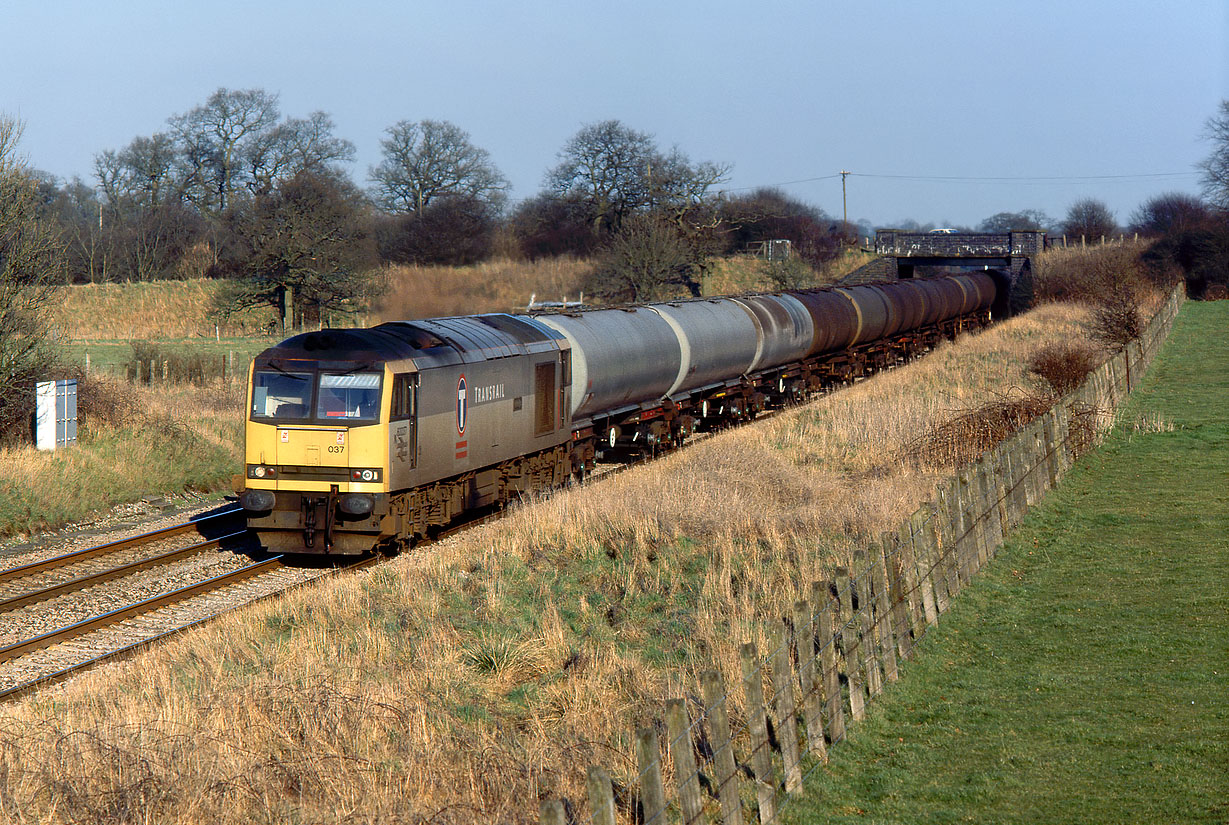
(261, 471)
(369, 475)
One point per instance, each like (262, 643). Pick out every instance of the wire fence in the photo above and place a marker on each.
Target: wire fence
(846, 637)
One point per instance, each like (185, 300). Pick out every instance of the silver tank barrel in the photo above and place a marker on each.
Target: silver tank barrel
(620, 357)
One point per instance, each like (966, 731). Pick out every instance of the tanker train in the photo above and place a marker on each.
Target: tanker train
(370, 438)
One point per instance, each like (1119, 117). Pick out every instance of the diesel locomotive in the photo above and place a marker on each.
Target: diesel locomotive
(368, 439)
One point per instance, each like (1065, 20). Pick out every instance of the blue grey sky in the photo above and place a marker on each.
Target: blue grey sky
(945, 112)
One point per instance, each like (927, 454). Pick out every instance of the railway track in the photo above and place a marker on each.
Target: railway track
(43, 658)
(63, 615)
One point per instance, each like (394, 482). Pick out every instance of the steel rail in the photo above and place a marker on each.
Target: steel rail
(64, 634)
(92, 579)
(113, 546)
(26, 688)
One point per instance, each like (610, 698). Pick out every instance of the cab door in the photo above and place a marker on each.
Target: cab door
(403, 434)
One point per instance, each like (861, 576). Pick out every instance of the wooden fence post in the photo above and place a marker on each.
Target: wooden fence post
(934, 556)
(989, 512)
(950, 523)
(686, 777)
(757, 724)
(652, 791)
(1028, 462)
(831, 678)
(1050, 441)
(883, 611)
(723, 749)
(865, 623)
(964, 531)
(910, 585)
(808, 678)
(1062, 435)
(787, 719)
(551, 813)
(999, 480)
(1019, 464)
(601, 796)
(923, 545)
(898, 600)
(974, 500)
(850, 649)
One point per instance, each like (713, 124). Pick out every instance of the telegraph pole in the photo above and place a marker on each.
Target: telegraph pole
(844, 205)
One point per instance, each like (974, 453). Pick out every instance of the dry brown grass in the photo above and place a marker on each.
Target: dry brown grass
(465, 682)
(1078, 273)
(495, 286)
(152, 310)
(739, 274)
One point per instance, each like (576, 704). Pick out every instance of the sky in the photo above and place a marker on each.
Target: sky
(942, 112)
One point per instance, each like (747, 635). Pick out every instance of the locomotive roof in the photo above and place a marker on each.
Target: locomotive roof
(431, 342)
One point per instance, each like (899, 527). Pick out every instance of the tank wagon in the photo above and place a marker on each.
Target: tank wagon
(371, 438)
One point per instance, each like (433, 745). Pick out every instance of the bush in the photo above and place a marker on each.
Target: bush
(965, 436)
(1063, 367)
(791, 273)
(646, 260)
(1082, 273)
(1116, 319)
(1199, 254)
(453, 231)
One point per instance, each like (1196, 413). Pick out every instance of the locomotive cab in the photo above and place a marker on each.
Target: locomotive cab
(317, 447)
(366, 439)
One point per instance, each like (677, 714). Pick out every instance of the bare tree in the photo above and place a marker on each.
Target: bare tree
(1170, 212)
(608, 165)
(143, 173)
(432, 159)
(647, 259)
(1215, 168)
(215, 139)
(1008, 221)
(679, 188)
(30, 262)
(1089, 218)
(304, 247)
(293, 146)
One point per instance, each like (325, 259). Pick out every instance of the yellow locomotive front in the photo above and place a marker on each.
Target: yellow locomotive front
(315, 478)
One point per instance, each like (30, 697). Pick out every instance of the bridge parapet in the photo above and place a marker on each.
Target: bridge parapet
(946, 245)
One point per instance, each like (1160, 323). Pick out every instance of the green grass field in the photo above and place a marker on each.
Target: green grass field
(1083, 677)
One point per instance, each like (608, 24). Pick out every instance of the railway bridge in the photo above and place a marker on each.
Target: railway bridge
(1009, 253)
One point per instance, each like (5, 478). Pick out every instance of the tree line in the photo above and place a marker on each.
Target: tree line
(233, 189)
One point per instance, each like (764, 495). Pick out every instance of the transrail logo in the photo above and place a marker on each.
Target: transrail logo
(491, 393)
(462, 404)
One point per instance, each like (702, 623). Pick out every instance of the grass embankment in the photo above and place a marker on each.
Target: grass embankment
(1083, 677)
(494, 286)
(162, 310)
(464, 682)
(149, 441)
